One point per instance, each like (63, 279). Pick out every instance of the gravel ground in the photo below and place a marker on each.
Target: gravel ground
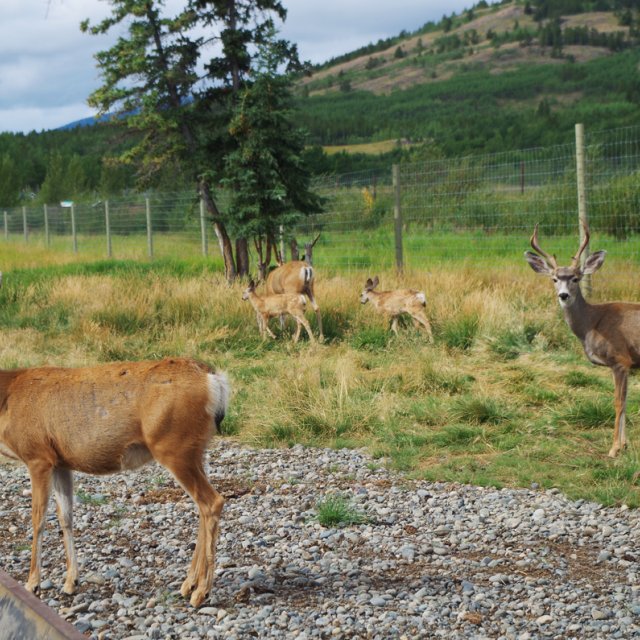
(428, 560)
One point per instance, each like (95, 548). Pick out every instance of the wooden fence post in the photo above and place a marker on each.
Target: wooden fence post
(47, 239)
(107, 226)
(397, 217)
(73, 228)
(149, 231)
(24, 224)
(582, 200)
(203, 230)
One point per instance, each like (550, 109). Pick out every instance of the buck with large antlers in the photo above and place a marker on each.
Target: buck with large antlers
(278, 305)
(394, 303)
(609, 332)
(108, 418)
(296, 277)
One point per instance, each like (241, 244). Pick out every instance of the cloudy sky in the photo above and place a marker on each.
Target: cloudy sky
(47, 68)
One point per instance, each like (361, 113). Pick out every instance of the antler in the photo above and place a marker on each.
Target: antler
(585, 241)
(536, 247)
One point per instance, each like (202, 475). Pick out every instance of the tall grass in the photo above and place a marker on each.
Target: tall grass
(504, 396)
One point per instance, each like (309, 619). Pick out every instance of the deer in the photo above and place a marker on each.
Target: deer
(609, 332)
(296, 277)
(109, 418)
(271, 306)
(394, 303)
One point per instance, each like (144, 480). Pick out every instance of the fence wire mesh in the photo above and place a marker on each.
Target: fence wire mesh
(478, 208)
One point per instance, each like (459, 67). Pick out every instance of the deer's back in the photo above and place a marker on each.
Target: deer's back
(89, 419)
(290, 277)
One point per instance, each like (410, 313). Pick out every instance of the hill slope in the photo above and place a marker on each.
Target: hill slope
(490, 79)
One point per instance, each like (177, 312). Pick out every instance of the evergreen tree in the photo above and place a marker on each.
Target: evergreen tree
(265, 172)
(54, 189)
(150, 77)
(9, 183)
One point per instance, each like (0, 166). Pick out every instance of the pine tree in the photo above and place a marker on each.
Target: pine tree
(265, 172)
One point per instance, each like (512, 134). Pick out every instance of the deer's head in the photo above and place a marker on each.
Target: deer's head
(566, 280)
(369, 286)
(249, 290)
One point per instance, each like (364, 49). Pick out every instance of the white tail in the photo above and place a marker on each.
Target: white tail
(108, 418)
(609, 332)
(394, 303)
(275, 305)
(295, 277)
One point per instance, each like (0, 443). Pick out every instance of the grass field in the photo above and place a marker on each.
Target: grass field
(503, 397)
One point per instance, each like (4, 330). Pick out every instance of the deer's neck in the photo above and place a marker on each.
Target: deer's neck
(578, 316)
(256, 301)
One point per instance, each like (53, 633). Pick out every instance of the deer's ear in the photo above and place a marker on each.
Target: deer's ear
(375, 282)
(593, 262)
(368, 283)
(538, 264)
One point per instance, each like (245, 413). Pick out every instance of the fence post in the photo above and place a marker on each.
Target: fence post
(47, 240)
(582, 200)
(203, 230)
(397, 217)
(6, 226)
(107, 226)
(149, 233)
(73, 228)
(24, 224)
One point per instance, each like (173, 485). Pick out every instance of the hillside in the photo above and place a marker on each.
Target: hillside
(499, 76)
(512, 74)
(439, 55)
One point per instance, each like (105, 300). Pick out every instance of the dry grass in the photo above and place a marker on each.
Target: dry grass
(503, 397)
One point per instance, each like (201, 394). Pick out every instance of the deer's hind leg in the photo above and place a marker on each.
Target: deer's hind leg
(189, 472)
(63, 491)
(420, 319)
(620, 378)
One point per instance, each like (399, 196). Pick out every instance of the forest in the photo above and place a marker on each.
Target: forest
(470, 109)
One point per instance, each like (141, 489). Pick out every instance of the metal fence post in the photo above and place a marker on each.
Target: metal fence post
(107, 226)
(6, 226)
(203, 230)
(582, 200)
(397, 217)
(73, 229)
(47, 239)
(24, 224)
(149, 232)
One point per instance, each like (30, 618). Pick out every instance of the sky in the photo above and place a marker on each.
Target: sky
(47, 68)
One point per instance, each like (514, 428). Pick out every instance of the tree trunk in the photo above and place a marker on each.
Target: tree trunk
(242, 257)
(226, 248)
(295, 252)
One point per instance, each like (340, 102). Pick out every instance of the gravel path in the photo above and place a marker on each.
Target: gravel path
(429, 560)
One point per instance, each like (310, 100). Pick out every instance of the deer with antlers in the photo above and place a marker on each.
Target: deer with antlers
(609, 332)
(109, 418)
(296, 277)
(394, 303)
(278, 305)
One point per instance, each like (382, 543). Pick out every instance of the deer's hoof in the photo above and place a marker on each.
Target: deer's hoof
(187, 587)
(198, 597)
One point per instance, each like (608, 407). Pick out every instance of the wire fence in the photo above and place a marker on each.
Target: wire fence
(478, 208)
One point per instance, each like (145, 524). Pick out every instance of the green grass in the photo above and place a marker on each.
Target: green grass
(337, 510)
(504, 396)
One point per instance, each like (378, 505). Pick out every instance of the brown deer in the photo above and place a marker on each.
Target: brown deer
(394, 303)
(278, 305)
(609, 332)
(296, 277)
(109, 418)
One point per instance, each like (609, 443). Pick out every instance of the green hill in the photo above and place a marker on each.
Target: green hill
(500, 76)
